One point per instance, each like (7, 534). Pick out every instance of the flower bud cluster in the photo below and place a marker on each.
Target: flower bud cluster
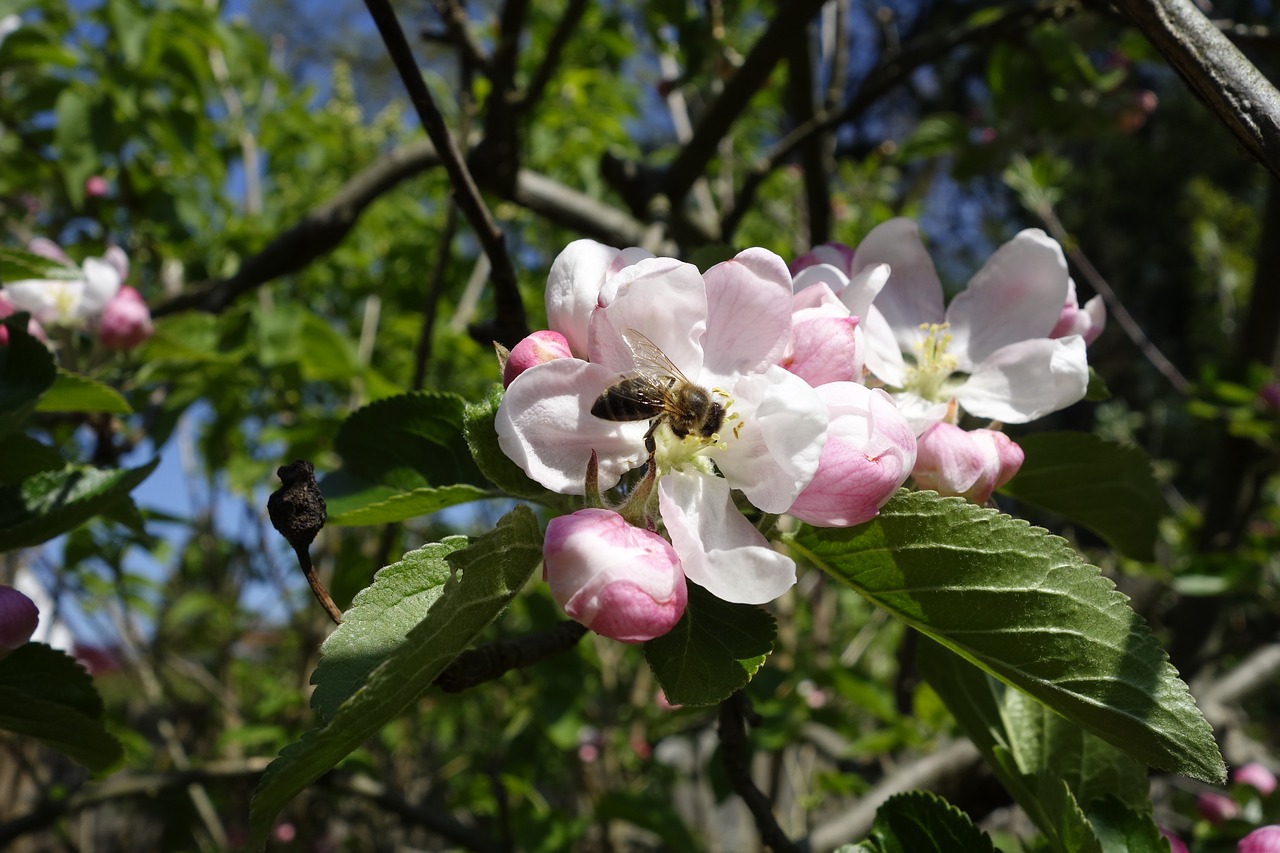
(92, 296)
(813, 391)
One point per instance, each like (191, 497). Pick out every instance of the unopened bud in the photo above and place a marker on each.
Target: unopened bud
(125, 322)
(536, 349)
(18, 619)
(968, 463)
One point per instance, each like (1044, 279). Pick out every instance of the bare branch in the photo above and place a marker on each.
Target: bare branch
(438, 822)
(510, 324)
(454, 17)
(476, 666)
(1215, 69)
(737, 765)
(692, 161)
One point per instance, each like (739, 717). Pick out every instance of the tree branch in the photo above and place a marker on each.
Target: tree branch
(568, 22)
(476, 666)
(1215, 69)
(510, 325)
(692, 161)
(886, 76)
(736, 756)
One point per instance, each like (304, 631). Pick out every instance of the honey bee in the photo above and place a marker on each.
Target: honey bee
(658, 392)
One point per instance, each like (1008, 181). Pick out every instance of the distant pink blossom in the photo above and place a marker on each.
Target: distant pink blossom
(95, 186)
(1256, 776)
(1265, 839)
(1216, 808)
(125, 321)
(18, 619)
(1176, 844)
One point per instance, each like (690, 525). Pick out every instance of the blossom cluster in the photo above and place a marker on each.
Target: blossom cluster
(813, 390)
(92, 296)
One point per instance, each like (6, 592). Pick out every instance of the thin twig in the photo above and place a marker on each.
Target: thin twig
(438, 822)
(525, 100)
(1115, 307)
(476, 666)
(737, 765)
(455, 21)
(510, 325)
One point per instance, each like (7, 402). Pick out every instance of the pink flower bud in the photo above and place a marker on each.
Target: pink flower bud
(620, 581)
(1216, 808)
(46, 248)
(95, 186)
(1175, 843)
(823, 346)
(968, 463)
(1257, 777)
(869, 452)
(18, 619)
(1265, 839)
(538, 348)
(125, 322)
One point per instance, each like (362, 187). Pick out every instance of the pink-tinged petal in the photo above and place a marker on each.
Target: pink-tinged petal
(837, 255)
(662, 298)
(546, 427)
(748, 313)
(824, 274)
(1017, 295)
(864, 288)
(19, 617)
(824, 349)
(919, 412)
(537, 348)
(1096, 310)
(102, 283)
(818, 295)
(620, 581)
(913, 294)
(577, 274)
(880, 350)
(46, 248)
(1176, 844)
(869, 453)
(116, 256)
(1027, 380)
(952, 461)
(772, 449)
(720, 550)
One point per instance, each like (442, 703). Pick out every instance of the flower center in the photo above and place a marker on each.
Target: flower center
(674, 452)
(933, 365)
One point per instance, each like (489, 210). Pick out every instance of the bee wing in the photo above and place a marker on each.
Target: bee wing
(651, 362)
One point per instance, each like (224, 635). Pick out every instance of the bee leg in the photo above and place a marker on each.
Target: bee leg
(651, 446)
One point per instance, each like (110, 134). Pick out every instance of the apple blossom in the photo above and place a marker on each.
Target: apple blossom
(968, 463)
(95, 186)
(7, 309)
(75, 301)
(125, 321)
(1256, 776)
(620, 581)
(534, 349)
(725, 332)
(1216, 808)
(19, 617)
(869, 453)
(1176, 844)
(1264, 839)
(991, 350)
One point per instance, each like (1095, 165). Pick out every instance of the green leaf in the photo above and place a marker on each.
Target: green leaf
(486, 576)
(21, 456)
(26, 371)
(919, 822)
(72, 392)
(715, 649)
(43, 506)
(379, 619)
(1099, 484)
(482, 438)
(73, 136)
(402, 505)
(46, 695)
(1032, 750)
(1097, 391)
(1124, 830)
(408, 441)
(1023, 606)
(19, 265)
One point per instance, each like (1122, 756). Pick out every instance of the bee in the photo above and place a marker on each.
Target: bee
(658, 392)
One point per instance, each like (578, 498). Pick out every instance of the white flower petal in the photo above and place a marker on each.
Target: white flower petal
(864, 288)
(546, 427)
(826, 274)
(1027, 380)
(774, 447)
(1017, 295)
(748, 313)
(919, 412)
(883, 357)
(719, 549)
(577, 274)
(913, 294)
(662, 298)
(50, 302)
(102, 283)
